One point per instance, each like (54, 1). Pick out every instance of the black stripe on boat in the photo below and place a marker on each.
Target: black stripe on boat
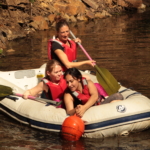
(117, 122)
(88, 127)
(49, 126)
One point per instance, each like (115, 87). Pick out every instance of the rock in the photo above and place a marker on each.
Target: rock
(70, 7)
(3, 37)
(69, 18)
(99, 15)
(10, 51)
(109, 2)
(46, 1)
(81, 17)
(16, 2)
(39, 23)
(130, 3)
(104, 14)
(75, 5)
(12, 31)
(16, 10)
(73, 19)
(65, 16)
(44, 5)
(60, 7)
(90, 14)
(48, 7)
(51, 18)
(53, 24)
(72, 10)
(142, 6)
(92, 10)
(16, 14)
(2, 44)
(34, 25)
(91, 3)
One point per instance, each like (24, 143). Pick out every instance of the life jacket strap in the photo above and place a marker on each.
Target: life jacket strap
(45, 80)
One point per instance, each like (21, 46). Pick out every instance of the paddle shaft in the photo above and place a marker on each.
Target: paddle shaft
(88, 56)
(104, 77)
(36, 98)
(6, 91)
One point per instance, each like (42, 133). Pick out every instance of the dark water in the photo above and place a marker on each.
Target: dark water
(121, 44)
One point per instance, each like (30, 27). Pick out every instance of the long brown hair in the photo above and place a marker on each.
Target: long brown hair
(50, 66)
(60, 22)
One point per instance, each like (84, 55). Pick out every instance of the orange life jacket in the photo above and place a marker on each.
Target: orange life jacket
(85, 95)
(71, 51)
(57, 91)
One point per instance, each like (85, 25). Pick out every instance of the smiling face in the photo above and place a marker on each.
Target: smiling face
(55, 74)
(73, 83)
(63, 33)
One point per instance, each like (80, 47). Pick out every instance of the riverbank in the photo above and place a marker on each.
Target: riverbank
(21, 17)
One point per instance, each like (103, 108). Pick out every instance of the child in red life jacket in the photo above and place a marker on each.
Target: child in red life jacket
(53, 85)
(81, 93)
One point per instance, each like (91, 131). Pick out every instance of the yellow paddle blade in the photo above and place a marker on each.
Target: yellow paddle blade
(5, 91)
(107, 80)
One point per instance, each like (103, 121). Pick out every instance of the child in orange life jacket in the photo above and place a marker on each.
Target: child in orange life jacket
(54, 85)
(81, 93)
(64, 49)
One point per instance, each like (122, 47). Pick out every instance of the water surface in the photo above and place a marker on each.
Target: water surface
(121, 44)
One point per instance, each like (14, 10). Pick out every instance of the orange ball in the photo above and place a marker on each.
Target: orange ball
(72, 128)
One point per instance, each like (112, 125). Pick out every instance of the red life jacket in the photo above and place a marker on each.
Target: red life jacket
(85, 95)
(71, 51)
(57, 91)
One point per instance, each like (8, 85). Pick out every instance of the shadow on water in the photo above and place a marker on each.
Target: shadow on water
(120, 44)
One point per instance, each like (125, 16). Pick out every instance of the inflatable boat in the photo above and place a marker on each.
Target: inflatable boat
(118, 118)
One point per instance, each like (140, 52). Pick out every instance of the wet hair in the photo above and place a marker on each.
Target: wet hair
(60, 22)
(74, 72)
(50, 66)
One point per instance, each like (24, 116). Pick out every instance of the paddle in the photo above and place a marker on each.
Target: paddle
(104, 77)
(6, 91)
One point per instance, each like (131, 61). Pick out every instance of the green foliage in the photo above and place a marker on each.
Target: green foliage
(32, 1)
(1, 50)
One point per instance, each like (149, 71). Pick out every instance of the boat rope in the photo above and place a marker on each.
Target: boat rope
(130, 88)
(132, 94)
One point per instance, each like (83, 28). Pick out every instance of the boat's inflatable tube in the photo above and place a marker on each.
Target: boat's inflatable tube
(118, 118)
